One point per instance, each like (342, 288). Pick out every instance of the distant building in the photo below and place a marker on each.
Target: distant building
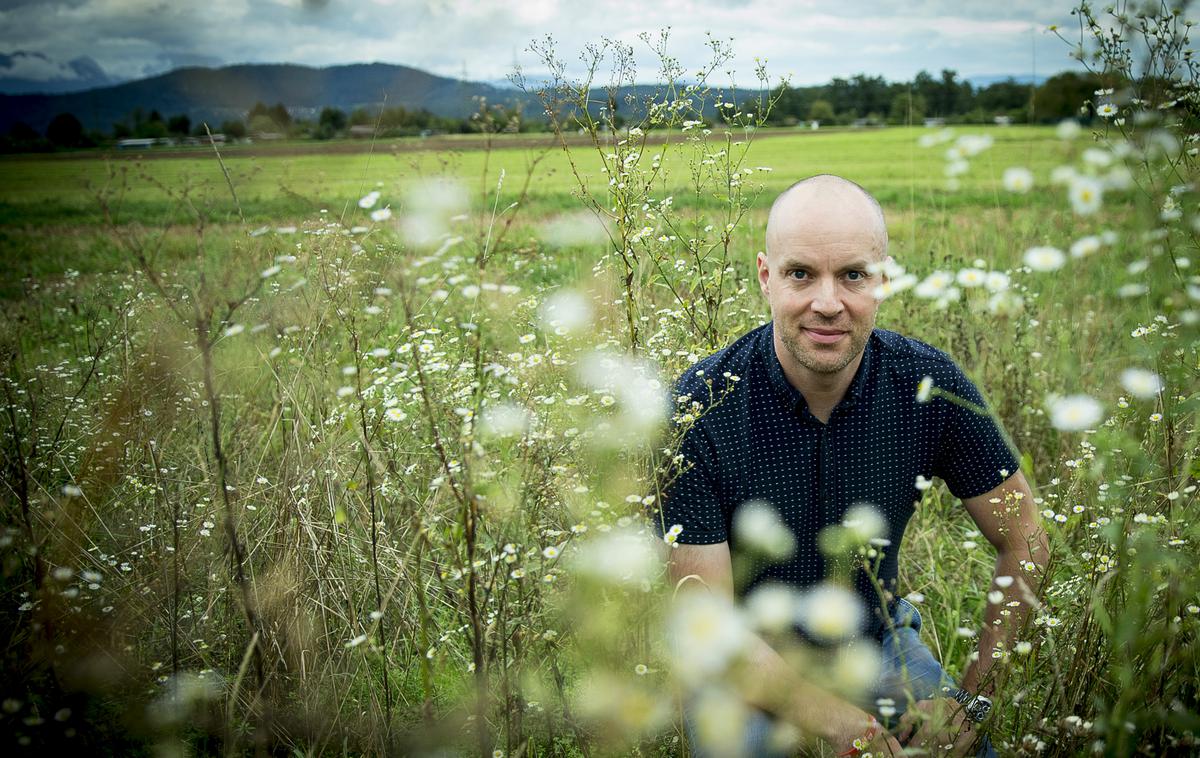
(136, 143)
(363, 131)
(934, 122)
(1002, 121)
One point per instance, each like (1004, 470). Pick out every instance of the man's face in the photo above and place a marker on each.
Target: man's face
(818, 282)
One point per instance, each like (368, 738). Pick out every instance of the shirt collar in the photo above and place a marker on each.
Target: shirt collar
(789, 395)
(784, 391)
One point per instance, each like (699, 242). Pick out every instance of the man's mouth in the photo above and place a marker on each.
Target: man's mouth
(824, 336)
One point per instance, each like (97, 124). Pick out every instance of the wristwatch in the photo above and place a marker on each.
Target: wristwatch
(975, 707)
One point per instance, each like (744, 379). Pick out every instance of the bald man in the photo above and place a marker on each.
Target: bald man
(820, 411)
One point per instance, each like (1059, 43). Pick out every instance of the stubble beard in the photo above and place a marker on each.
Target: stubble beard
(792, 341)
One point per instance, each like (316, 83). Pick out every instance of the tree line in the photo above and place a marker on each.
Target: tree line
(860, 99)
(873, 100)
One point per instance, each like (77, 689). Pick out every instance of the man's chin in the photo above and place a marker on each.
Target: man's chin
(821, 364)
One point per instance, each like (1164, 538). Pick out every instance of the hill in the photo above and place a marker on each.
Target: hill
(215, 94)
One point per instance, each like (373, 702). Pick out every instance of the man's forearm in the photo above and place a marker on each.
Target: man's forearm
(1003, 618)
(768, 681)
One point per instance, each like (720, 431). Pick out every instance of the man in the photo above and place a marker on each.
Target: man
(818, 411)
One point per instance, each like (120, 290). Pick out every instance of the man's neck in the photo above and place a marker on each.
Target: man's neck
(821, 391)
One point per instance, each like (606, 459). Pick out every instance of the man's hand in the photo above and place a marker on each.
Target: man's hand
(850, 729)
(938, 722)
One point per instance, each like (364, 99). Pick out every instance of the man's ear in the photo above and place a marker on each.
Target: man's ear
(886, 266)
(764, 274)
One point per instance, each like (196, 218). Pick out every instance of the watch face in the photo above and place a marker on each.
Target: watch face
(978, 710)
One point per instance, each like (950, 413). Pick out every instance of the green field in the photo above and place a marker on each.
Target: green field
(51, 221)
(277, 503)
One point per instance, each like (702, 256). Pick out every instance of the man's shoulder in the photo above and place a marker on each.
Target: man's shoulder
(907, 356)
(715, 372)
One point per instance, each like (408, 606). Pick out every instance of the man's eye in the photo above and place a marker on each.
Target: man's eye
(797, 274)
(856, 276)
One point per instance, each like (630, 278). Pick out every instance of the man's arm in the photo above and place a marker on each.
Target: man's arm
(1008, 520)
(769, 682)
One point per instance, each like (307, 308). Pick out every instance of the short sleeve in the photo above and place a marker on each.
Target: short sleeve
(973, 456)
(690, 499)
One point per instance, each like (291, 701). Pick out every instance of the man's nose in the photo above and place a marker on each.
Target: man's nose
(826, 300)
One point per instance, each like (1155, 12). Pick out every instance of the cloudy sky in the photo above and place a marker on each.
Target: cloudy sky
(811, 40)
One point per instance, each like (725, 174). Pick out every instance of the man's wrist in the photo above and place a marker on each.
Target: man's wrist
(975, 707)
(863, 741)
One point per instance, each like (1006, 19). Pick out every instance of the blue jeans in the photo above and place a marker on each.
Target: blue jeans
(909, 673)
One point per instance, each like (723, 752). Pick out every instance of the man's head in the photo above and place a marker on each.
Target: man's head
(823, 236)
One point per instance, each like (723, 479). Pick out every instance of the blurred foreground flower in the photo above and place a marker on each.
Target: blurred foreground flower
(1068, 129)
(1018, 179)
(504, 420)
(758, 528)
(865, 522)
(1141, 383)
(719, 718)
(772, 607)
(1044, 258)
(623, 707)
(1085, 246)
(1074, 413)
(634, 382)
(619, 557)
(1086, 195)
(573, 229)
(706, 632)
(566, 312)
(856, 668)
(186, 694)
(429, 209)
(830, 613)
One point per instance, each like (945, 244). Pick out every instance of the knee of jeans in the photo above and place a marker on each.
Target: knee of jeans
(909, 669)
(906, 614)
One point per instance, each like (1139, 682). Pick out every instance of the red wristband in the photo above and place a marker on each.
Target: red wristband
(862, 742)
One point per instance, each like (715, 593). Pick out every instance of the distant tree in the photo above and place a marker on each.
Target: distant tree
(361, 117)
(121, 130)
(821, 110)
(23, 132)
(22, 138)
(330, 123)
(791, 105)
(65, 131)
(155, 116)
(279, 114)
(151, 128)
(276, 114)
(179, 124)
(263, 125)
(1061, 96)
(907, 108)
(233, 129)
(1004, 97)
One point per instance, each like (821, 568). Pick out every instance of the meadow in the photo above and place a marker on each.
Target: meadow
(352, 454)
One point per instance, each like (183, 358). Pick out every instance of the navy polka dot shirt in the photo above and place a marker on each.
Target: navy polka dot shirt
(761, 443)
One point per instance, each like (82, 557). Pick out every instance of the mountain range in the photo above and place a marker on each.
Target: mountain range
(217, 94)
(214, 95)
